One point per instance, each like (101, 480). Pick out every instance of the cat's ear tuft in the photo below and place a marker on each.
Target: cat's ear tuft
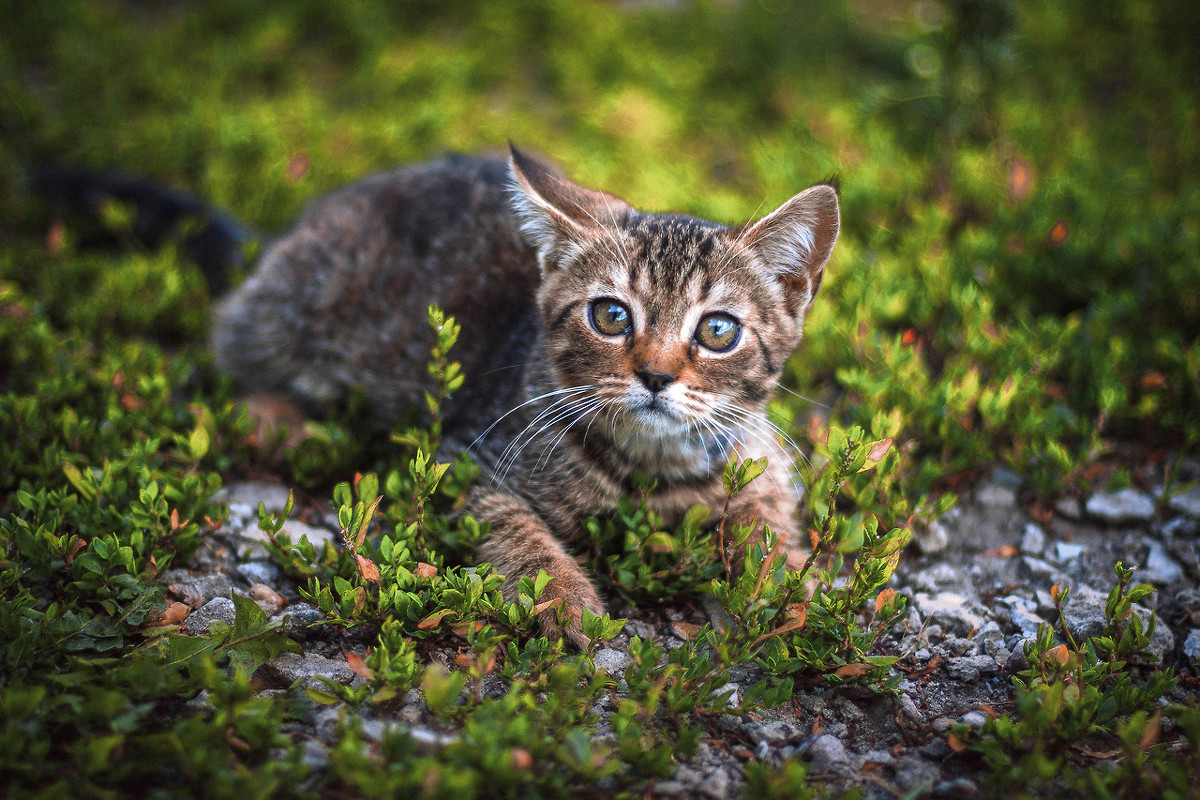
(556, 215)
(796, 240)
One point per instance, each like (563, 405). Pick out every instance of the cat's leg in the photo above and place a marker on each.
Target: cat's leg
(520, 544)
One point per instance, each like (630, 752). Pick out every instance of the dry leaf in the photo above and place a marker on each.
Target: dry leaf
(1153, 729)
(555, 603)
(367, 568)
(173, 614)
(879, 450)
(358, 665)
(1059, 654)
(434, 619)
(956, 744)
(424, 570)
(685, 630)
(884, 598)
(1003, 551)
(466, 628)
(521, 759)
(852, 670)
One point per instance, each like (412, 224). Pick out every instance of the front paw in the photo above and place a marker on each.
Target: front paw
(560, 614)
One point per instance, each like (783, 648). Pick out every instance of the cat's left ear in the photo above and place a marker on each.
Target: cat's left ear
(796, 240)
(556, 215)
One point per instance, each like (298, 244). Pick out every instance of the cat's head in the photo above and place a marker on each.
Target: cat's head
(679, 324)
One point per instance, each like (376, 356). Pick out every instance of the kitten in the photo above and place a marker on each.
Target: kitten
(604, 348)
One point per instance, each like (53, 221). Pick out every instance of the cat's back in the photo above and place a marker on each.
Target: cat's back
(339, 301)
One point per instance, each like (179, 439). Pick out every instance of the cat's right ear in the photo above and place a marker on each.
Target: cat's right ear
(557, 217)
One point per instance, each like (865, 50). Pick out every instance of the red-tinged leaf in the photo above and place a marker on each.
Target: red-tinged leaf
(555, 603)
(879, 450)
(814, 538)
(818, 725)
(956, 744)
(852, 670)
(467, 628)
(358, 665)
(1054, 592)
(434, 619)
(358, 476)
(367, 568)
(1003, 551)
(884, 598)
(173, 614)
(797, 615)
(76, 545)
(1102, 755)
(174, 519)
(521, 759)
(685, 630)
(1059, 654)
(424, 570)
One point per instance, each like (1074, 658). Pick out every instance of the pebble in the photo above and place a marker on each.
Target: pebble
(288, 668)
(933, 539)
(197, 591)
(248, 494)
(259, 572)
(995, 495)
(611, 660)
(219, 609)
(950, 609)
(968, 669)
(1186, 503)
(827, 755)
(958, 789)
(916, 775)
(1127, 505)
(251, 538)
(269, 600)
(1068, 507)
(1191, 648)
(1068, 551)
(735, 694)
(1160, 568)
(1033, 539)
(297, 618)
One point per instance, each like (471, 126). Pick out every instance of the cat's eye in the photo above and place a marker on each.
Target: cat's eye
(610, 317)
(718, 332)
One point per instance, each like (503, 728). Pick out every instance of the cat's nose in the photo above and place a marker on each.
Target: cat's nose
(654, 381)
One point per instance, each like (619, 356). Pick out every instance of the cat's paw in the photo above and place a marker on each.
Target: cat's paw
(562, 618)
(567, 625)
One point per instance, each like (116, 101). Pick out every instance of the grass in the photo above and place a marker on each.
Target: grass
(1017, 282)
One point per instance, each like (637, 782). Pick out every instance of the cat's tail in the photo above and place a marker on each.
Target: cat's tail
(216, 242)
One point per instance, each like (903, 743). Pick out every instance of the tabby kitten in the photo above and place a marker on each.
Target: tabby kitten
(605, 348)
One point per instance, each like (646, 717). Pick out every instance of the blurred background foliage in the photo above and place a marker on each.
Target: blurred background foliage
(1018, 278)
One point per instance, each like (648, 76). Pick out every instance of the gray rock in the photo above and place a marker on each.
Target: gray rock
(974, 719)
(1068, 507)
(827, 756)
(1084, 616)
(735, 694)
(939, 576)
(250, 539)
(245, 495)
(934, 538)
(1068, 551)
(1186, 503)
(1127, 505)
(958, 789)
(935, 749)
(774, 734)
(315, 755)
(297, 618)
(1160, 568)
(195, 592)
(1017, 660)
(259, 572)
(916, 775)
(995, 495)
(288, 668)
(1191, 648)
(611, 660)
(219, 609)
(968, 669)
(951, 610)
(1036, 568)
(1033, 539)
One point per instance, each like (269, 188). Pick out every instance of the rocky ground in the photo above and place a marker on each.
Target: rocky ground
(979, 585)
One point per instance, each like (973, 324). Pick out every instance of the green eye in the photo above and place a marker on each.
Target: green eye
(610, 317)
(718, 332)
